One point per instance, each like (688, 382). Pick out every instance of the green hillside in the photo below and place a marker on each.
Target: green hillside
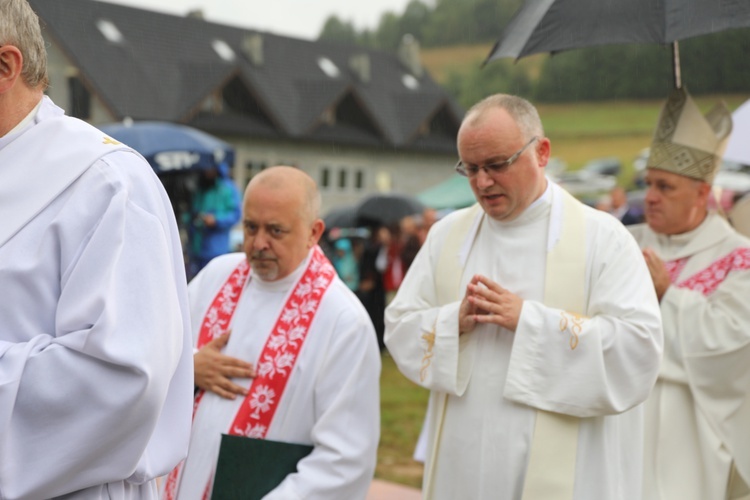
(580, 131)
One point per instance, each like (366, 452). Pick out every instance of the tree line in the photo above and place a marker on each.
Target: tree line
(714, 63)
(447, 22)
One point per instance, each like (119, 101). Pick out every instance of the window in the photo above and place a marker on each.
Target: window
(410, 82)
(109, 30)
(253, 168)
(359, 179)
(342, 178)
(328, 67)
(325, 177)
(223, 50)
(80, 99)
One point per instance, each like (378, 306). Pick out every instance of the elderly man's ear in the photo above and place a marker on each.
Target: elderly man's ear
(11, 65)
(316, 231)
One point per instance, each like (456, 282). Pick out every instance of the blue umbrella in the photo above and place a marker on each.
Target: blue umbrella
(170, 147)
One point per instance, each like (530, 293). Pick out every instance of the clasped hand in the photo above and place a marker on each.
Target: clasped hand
(214, 370)
(658, 271)
(487, 302)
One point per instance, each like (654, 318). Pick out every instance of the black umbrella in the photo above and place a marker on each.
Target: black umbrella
(341, 217)
(558, 25)
(385, 209)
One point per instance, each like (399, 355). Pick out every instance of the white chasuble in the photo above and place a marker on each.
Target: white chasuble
(330, 401)
(697, 443)
(95, 356)
(496, 380)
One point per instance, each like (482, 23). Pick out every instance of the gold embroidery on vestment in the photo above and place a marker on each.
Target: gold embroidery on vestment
(427, 359)
(574, 324)
(109, 140)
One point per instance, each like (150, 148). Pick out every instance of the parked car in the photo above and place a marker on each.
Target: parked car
(585, 183)
(639, 164)
(604, 166)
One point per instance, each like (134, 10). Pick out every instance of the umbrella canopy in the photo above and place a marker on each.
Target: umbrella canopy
(558, 25)
(170, 147)
(738, 147)
(385, 209)
(454, 192)
(341, 217)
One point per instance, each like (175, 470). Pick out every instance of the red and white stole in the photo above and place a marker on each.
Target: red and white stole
(709, 279)
(279, 355)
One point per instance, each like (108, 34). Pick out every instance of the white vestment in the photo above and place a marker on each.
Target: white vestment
(332, 398)
(698, 416)
(95, 353)
(496, 379)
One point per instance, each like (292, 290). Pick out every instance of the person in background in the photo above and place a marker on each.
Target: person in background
(96, 376)
(411, 225)
(389, 261)
(215, 208)
(533, 321)
(621, 209)
(301, 355)
(371, 291)
(346, 263)
(604, 203)
(697, 442)
(429, 217)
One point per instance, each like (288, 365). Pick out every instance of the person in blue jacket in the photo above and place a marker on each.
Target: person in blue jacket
(215, 208)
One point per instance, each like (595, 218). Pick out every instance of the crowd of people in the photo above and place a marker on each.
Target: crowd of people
(373, 262)
(568, 357)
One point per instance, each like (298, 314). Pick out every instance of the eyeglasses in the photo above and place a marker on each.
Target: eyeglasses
(494, 168)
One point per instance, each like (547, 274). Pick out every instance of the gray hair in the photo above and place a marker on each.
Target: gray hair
(522, 111)
(313, 199)
(19, 26)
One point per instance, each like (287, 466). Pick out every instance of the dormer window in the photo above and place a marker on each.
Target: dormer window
(329, 67)
(410, 82)
(110, 31)
(223, 49)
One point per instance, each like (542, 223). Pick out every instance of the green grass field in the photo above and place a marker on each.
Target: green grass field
(402, 408)
(585, 130)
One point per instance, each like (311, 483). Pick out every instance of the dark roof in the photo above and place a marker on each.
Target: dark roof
(166, 67)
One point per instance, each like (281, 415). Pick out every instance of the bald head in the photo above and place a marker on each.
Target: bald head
(524, 113)
(280, 215)
(293, 181)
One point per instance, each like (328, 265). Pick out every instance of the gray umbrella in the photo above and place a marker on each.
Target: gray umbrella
(341, 217)
(387, 208)
(558, 25)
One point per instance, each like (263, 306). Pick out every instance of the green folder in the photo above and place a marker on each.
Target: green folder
(248, 468)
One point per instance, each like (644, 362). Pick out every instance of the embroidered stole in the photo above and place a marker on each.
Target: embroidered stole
(551, 471)
(550, 474)
(279, 355)
(709, 279)
(41, 163)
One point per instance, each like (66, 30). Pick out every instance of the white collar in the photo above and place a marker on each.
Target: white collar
(23, 124)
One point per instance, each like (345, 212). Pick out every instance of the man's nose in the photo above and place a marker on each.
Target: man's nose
(484, 179)
(260, 241)
(652, 195)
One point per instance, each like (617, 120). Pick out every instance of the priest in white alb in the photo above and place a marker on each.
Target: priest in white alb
(95, 355)
(697, 439)
(533, 321)
(275, 326)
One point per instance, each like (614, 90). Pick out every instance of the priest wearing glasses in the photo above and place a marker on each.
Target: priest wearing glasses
(533, 321)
